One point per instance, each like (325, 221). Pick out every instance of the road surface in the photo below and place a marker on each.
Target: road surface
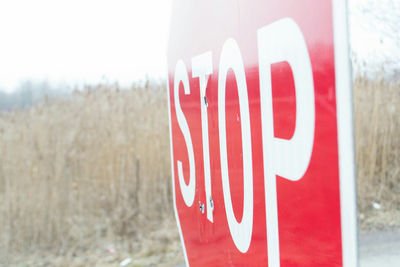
(380, 249)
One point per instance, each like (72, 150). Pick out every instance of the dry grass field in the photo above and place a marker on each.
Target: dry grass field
(377, 125)
(90, 173)
(86, 180)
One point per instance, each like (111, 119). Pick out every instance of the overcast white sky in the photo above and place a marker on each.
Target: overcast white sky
(82, 40)
(375, 34)
(78, 41)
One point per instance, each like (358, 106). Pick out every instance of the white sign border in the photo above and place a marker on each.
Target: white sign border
(345, 125)
(178, 221)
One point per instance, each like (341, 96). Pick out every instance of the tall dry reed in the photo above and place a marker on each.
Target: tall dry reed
(90, 168)
(377, 125)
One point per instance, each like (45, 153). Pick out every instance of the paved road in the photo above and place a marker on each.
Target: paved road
(380, 249)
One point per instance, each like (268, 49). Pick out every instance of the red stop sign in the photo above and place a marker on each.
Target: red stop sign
(261, 133)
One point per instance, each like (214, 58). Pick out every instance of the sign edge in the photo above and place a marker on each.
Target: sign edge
(173, 174)
(345, 126)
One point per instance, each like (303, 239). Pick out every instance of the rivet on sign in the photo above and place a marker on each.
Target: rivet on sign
(211, 203)
(201, 205)
(205, 101)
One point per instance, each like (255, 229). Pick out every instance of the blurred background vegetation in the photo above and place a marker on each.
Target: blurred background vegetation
(85, 175)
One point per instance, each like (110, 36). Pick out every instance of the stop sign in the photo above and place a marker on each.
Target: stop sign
(261, 133)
